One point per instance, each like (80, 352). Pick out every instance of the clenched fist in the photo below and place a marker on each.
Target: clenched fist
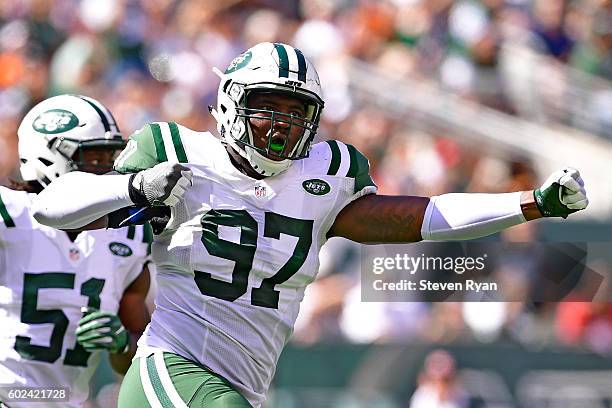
(561, 194)
(163, 184)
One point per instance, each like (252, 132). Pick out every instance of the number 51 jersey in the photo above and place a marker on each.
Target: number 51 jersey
(238, 253)
(45, 279)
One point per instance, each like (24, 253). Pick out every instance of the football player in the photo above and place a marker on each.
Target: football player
(250, 213)
(65, 296)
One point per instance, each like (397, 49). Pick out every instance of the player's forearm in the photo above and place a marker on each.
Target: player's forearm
(395, 219)
(77, 199)
(460, 216)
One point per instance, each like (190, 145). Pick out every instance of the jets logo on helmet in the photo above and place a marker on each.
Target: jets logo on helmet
(54, 135)
(270, 68)
(240, 61)
(55, 121)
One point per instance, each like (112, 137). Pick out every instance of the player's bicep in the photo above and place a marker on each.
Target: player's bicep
(374, 219)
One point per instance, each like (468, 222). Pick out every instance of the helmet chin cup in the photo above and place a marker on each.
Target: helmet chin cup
(263, 165)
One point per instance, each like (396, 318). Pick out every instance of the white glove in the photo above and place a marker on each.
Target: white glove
(561, 194)
(163, 184)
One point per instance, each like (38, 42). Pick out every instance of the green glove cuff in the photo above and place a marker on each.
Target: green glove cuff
(549, 204)
(123, 343)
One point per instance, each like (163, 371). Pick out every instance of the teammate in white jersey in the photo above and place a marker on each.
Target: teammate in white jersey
(250, 213)
(65, 297)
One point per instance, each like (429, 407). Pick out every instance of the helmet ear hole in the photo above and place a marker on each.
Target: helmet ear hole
(45, 161)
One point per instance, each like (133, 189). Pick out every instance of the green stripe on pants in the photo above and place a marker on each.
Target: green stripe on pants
(195, 384)
(160, 392)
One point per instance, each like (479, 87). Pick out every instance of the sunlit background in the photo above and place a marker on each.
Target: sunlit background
(440, 95)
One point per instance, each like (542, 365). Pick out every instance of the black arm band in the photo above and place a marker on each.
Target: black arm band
(136, 195)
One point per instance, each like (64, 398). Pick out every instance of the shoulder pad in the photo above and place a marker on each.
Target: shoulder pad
(152, 144)
(339, 159)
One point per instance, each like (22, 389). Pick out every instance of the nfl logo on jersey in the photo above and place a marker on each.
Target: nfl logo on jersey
(74, 254)
(261, 191)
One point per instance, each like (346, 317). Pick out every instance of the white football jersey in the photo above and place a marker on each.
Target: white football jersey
(45, 279)
(238, 253)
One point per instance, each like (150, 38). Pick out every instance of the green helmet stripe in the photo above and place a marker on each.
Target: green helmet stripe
(335, 159)
(283, 60)
(301, 65)
(103, 117)
(160, 149)
(8, 221)
(178, 144)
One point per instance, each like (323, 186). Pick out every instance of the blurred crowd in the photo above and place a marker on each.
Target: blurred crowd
(152, 60)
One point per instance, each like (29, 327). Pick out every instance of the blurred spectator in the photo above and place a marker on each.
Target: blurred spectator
(595, 56)
(586, 324)
(438, 385)
(550, 29)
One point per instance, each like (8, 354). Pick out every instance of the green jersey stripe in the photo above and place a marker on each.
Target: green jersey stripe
(359, 169)
(178, 144)
(352, 171)
(335, 159)
(283, 60)
(6, 217)
(147, 233)
(160, 149)
(147, 236)
(131, 232)
(158, 387)
(301, 65)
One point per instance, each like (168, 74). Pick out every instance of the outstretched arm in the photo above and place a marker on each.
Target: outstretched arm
(77, 199)
(375, 219)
